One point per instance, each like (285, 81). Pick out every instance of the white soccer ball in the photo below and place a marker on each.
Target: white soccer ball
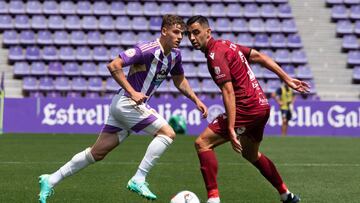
(185, 197)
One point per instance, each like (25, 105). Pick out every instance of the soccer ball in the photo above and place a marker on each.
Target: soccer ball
(185, 197)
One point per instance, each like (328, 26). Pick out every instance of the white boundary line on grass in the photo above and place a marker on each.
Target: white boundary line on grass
(171, 163)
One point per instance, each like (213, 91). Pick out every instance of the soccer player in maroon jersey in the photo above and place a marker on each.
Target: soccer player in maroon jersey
(247, 108)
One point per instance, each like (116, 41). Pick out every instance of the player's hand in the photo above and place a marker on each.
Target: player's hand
(235, 143)
(201, 106)
(299, 85)
(138, 97)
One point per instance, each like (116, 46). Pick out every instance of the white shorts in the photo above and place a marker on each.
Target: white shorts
(126, 115)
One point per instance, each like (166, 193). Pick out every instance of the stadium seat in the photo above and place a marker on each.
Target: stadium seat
(357, 27)
(167, 8)
(49, 53)
(134, 9)
(117, 8)
(284, 11)
(55, 69)
(198, 56)
(89, 23)
(78, 38)
(50, 8)
(123, 23)
(151, 9)
(268, 11)
(155, 23)
(223, 25)
(190, 70)
(38, 69)
(32, 53)
(95, 84)
(84, 8)
(256, 25)
(106, 23)
(163, 88)
(144, 37)
(334, 2)
(269, 74)
(62, 84)
(344, 27)
(234, 10)
(268, 52)
(21, 69)
(30, 84)
(356, 74)
(111, 85)
(304, 72)
(114, 52)
(78, 84)
(67, 8)
(39, 22)
(71, 69)
(261, 41)
(10, 37)
(6, 22)
(16, 7)
(83, 53)
(140, 23)
(251, 11)
(127, 38)
(33, 7)
(257, 70)
(294, 41)
(272, 86)
(88, 69)
(353, 58)
(273, 26)
(289, 26)
(289, 69)
(103, 70)
(201, 9)
(282, 56)
(278, 41)
(195, 85)
(94, 38)
(44, 37)
(67, 53)
(245, 39)
(186, 55)
(46, 84)
(228, 36)
(203, 71)
(27, 37)
(339, 12)
(56, 22)
(350, 42)
(61, 38)
(352, 2)
(217, 10)
(298, 57)
(184, 9)
(100, 53)
(239, 25)
(101, 8)
(209, 86)
(22, 22)
(355, 12)
(72, 22)
(4, 7)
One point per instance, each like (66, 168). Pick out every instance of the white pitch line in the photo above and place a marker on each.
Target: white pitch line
(172, 163)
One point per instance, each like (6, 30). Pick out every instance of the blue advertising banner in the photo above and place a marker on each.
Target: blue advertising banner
(61, 115)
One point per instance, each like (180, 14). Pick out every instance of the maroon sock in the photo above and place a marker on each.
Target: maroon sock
(269, 171)
(209, 167)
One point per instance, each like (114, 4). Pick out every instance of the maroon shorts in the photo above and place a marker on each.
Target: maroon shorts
(245, 125)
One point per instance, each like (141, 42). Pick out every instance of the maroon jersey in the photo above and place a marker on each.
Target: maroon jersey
(229, 62)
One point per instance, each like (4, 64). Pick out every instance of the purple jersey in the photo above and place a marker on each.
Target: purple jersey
(149, 66)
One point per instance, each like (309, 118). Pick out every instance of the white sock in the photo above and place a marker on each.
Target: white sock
(213, 200)
(155, 149)
(78, 162)
(284, 195)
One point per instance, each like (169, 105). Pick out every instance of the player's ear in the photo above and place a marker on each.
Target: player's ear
(208, 32)
(163, 31)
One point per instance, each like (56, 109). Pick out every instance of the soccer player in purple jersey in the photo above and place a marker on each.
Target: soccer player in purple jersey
(247, 108)
(149, 64)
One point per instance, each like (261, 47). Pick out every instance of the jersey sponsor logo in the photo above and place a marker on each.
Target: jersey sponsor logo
(217, 70)
(212, 55)
(130, 52)
(214, 111)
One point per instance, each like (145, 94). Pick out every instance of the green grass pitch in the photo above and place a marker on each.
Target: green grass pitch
(318, 169)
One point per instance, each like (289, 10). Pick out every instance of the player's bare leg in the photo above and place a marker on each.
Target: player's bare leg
(103, 145)
(284, 127)
(204, 145)
(164, 137)
(266, 167)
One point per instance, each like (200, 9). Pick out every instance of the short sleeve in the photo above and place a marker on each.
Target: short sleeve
(177, 69)
(245, 50)
(132, 56)
(219, 68)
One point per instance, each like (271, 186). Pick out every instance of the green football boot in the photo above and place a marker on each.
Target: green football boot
(141, 188)
(45, 189)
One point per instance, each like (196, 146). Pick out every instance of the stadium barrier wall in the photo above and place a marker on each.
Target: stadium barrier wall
(61, 115)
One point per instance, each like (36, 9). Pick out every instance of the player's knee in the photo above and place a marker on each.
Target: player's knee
(97, 155)
(200, 144)
(167, 131)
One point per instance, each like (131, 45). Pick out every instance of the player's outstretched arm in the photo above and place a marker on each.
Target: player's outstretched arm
(183, 86)
(267, 62)
(116, 69)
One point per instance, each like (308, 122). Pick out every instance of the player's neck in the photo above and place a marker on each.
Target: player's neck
(165, 49)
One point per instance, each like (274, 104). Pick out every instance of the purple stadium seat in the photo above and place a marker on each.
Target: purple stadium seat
(268, 11)
(21, 69)
(284, 11)
(218, 10)
(304, 72)
(50, 8)
(339, 12)
(6, 22)
(88, 69)
(22, 22)
(67, 7)
(184, 9)
(49, 53)
(228, 36)
(92, 95)
(32, 53)
(356, 74)
(269, 74)
(44, 37)
(163, 88)
(278, 41)
(352, 2)
(94, 38)
(203, 71)
(239, 25)
(73, 94)
(72, 22)
(33, 7)
(113, 38)
(134, 9)
(350, 42)
(10, 37)
(114, 52)
(195, 84)
(84, 8)
(79, 84)
(289, 26)
(186, 55)
(106, 23)
(56, 22)
(111, 85)
(38, 69)
(100, 53)
(261, 41)
(16, 7)
(344, 27)
(357, 27)
(273, 26)
(4, 7)
(353, 58)
(117, 8)
(89, 23)
(294, 41)
(251, 11)
(155, 23)
(268, 52)
(71, 69)
(144, 37)
(298, 57)
(209, 86)
(103, 70)
(78, 38)
(101, 8)
(245, 39)
(201, 9)
(234, 10)
(282, 56)
(123, 23)
(256, 25)
(39, 22)
(61, 38)
(198, 56)
(334, 2)
(272, 86)
(95, 84)
(55, 68)
(222, 25)
(62, 84)
(140, 23)
(289, 69)
(257, 70)
(190, 70)
(151, 9)
(355, 12)
(127, 38)
(83, 53)
(30, 84)
(66, 53)
(167, 8)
